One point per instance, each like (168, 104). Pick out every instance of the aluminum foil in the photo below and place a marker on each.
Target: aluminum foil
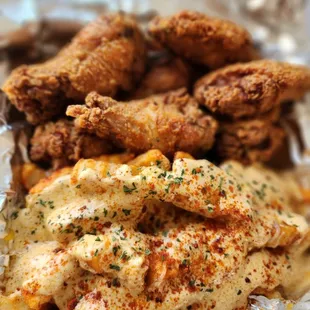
(31, 31)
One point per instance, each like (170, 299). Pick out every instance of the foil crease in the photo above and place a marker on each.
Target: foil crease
(39, 28)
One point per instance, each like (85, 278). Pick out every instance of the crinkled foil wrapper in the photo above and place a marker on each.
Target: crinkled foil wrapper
(31, 31)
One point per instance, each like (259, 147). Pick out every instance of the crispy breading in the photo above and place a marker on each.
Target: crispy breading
(249, 141)
(253, 88)
(179, 155)
(105, 56)
(31, 174)
(151, 158)
(169, 122)
(120, 158)
(165, 74)
(202, 39)
(61, 144)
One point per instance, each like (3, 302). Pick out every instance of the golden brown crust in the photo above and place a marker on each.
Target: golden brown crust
(169, 122)
(167, 73)
(106, 55)
(50, 179)
(202, 39)
(31, 174)
(251, 89)
(61, 144)
(250, 141)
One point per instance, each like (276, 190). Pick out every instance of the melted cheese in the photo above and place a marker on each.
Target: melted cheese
(112, 236)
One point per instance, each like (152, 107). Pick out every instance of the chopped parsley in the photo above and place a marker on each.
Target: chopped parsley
(115, 249)
(162, 175)
(125, 256)
(49, 203)
(165, 233)
(167, 188)
(126, 211)
(115, 267)
(221, 183)
(178, 180)
(128, 190)
(14, 215)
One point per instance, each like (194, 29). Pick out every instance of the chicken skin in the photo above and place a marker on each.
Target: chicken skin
(251, 89)
(169, 122)
(165, 74)
(61, 144)
(202, 39)
(252, 140)
(105, 56)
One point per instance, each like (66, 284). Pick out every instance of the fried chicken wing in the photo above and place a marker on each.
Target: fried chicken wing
(253, 88)
(165, 74)
(105, 56)
(249, 141)
(62, 144)
(169, 122)
(202, 39)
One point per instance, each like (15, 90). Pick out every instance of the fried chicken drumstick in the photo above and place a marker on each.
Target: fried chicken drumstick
(62, 144)
(251, 89)
(204, 40)
(105, 56)
(168, 122)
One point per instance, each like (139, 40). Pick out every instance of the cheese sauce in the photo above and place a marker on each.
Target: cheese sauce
(112, 236)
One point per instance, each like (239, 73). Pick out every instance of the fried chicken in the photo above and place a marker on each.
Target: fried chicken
(204, 40)
(106, 56)
(244, 90)
(62, 144)
(169, 122)
(165, 74)
(250, 141)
